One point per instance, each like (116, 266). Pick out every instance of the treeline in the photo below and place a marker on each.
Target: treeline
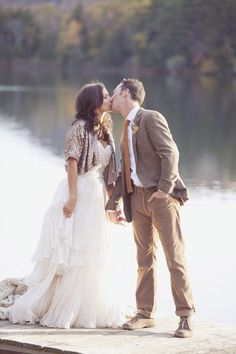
(171, 35)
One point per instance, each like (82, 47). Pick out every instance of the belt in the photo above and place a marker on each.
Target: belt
(143, 189)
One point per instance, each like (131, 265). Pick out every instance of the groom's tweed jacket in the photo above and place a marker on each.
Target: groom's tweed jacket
(156, 156)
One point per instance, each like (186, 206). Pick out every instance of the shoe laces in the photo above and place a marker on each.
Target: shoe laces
(184, 324)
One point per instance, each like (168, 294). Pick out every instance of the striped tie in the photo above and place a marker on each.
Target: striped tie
(127, 157)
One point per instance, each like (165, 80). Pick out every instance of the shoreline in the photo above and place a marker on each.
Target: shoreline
(37, 66)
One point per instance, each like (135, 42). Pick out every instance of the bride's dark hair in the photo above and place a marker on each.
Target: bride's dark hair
(88, 100)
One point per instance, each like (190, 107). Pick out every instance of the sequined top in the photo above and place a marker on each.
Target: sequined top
(81, 145)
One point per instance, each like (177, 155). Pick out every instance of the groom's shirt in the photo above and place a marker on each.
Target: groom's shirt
(131, 116)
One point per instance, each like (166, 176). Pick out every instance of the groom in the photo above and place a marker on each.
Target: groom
(152, 192)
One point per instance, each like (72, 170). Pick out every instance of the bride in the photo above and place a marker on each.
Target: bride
(71, 284)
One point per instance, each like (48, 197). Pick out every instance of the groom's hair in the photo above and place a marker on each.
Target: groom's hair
(136, 89)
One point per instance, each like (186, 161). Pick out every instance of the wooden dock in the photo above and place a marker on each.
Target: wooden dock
(208, 338)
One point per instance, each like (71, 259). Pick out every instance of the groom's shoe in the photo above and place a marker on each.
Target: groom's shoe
(138, 321)
(185, 329)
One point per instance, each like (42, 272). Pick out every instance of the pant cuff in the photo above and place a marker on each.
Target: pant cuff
(185, 313)
(147, 314)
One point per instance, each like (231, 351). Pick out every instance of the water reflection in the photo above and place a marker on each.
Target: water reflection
(201, 115)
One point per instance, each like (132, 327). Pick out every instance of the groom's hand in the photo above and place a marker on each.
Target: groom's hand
(116, 217)
(158, 195)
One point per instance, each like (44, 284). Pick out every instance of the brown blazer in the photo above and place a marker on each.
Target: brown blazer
(156, 156)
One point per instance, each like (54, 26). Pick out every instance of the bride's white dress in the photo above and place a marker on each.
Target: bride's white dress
(72, 283)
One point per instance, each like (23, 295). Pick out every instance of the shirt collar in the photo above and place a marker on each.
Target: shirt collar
(132, 113)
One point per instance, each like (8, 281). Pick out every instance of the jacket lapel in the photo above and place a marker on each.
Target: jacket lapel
(135, 126)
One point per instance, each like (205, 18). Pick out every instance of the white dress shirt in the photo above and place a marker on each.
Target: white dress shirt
(131, 116)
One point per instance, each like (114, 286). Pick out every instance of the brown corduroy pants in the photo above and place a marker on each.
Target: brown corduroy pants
(152, 220)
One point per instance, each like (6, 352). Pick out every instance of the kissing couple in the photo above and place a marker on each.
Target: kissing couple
(71, 282)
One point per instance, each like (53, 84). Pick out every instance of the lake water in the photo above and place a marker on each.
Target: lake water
(34, 116)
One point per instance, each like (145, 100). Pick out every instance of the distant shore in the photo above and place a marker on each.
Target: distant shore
(37, 66)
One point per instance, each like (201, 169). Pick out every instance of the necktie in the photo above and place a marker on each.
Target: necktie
(126, 157)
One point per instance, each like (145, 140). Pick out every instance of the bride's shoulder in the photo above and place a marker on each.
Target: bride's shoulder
(77, 128)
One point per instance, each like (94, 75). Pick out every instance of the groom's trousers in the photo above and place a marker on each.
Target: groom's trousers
(159, 219)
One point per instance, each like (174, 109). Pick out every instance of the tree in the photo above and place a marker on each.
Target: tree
(20, 35)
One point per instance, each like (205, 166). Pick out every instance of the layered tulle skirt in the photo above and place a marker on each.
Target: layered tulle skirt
(73, 283)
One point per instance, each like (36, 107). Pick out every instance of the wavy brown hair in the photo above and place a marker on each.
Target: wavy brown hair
(88, 100)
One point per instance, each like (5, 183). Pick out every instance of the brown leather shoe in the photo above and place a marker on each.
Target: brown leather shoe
(185, 329)
(138, 321)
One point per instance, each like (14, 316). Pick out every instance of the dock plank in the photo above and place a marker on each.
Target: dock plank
(208, 338)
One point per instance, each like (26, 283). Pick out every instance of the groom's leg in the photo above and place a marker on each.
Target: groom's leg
(165, 214)
(145, 237)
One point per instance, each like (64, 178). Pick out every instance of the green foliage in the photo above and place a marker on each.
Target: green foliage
(19, 34)
(48, 19)
(151, 33)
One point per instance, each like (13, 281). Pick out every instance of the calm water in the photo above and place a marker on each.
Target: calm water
(34, 116)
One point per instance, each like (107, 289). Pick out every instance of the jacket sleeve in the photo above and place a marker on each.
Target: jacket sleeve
(114, 200)
(74, 142)
(166, 149)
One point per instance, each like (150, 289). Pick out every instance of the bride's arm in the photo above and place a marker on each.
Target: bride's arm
(72, 185)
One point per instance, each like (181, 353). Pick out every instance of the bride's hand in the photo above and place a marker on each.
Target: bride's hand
(116, 217)
(69, 207)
